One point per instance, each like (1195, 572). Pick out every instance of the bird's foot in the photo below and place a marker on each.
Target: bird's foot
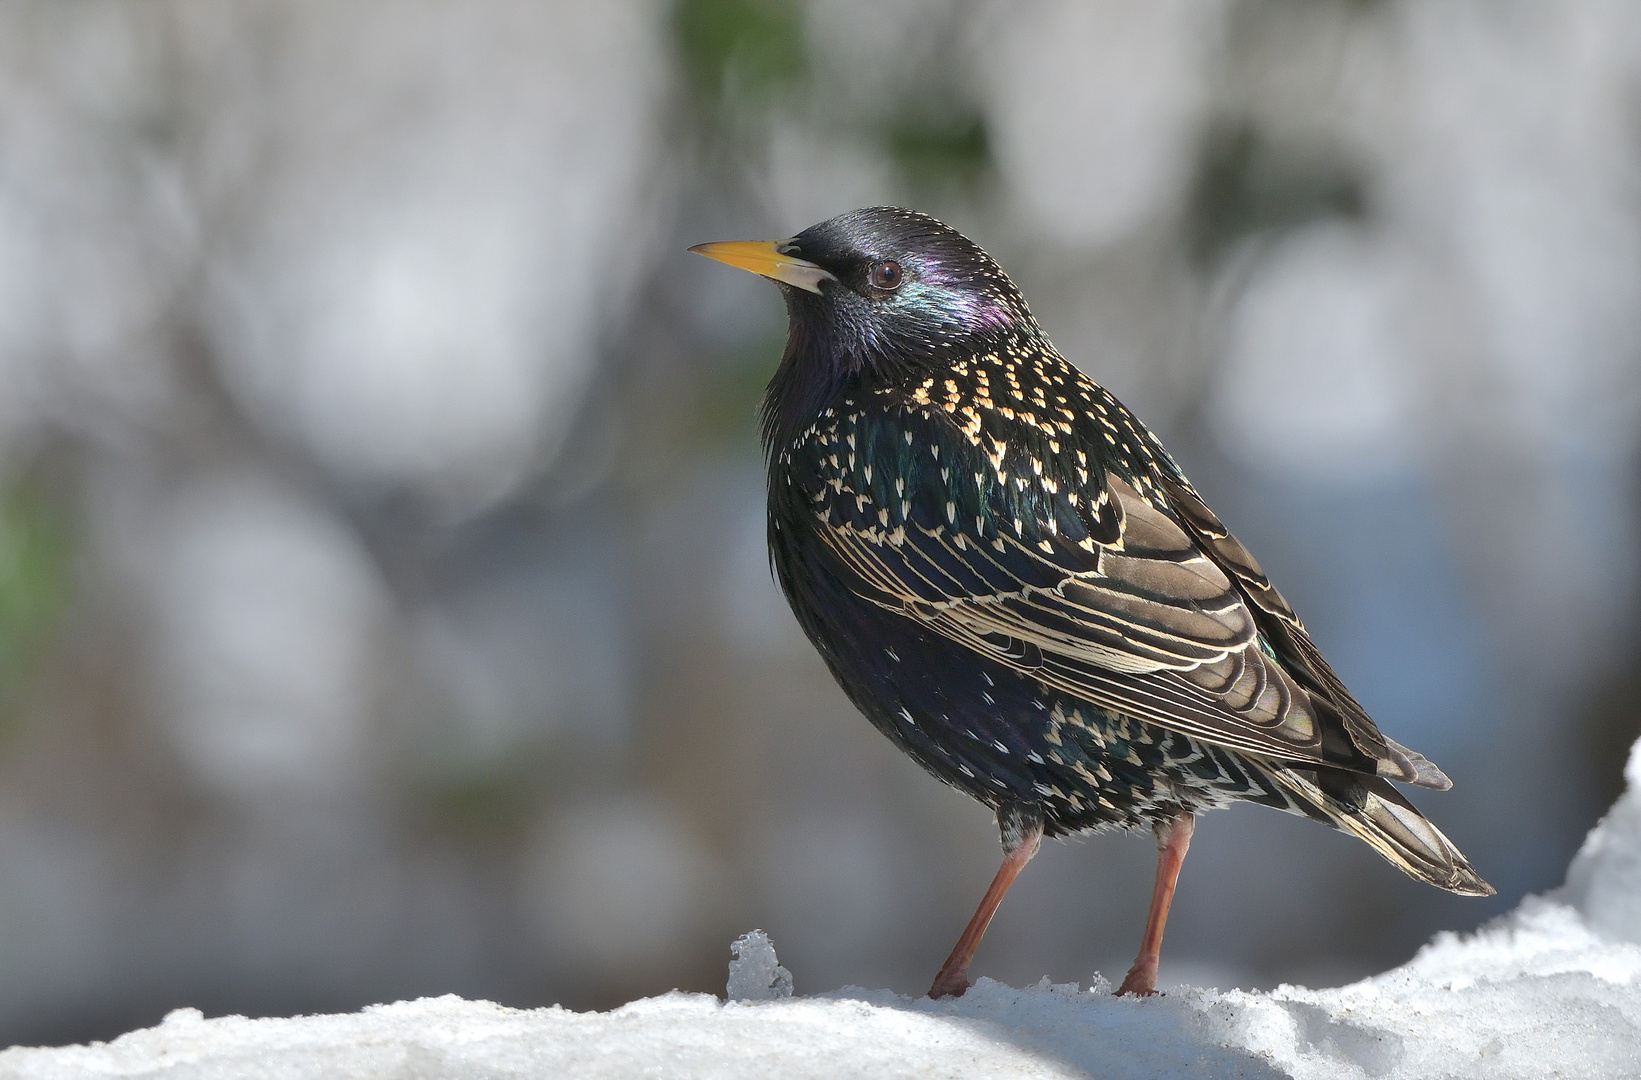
(1141, 980)
(950, 983)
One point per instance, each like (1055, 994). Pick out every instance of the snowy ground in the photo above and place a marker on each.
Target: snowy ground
(1551, 990)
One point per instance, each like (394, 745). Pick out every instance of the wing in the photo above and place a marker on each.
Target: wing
(1020, 547)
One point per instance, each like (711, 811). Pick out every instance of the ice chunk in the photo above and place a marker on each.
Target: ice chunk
(755, 973)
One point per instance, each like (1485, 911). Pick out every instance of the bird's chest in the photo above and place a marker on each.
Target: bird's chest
(912, 472)
(858, 476)
(875, 473)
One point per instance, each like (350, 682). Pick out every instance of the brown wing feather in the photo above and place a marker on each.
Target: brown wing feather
(1149, 626)
(1281, 623)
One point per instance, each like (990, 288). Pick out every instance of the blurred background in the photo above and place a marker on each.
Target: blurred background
(384, 608)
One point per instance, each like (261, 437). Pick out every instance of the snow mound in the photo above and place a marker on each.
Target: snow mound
(1551, 990)
(1604, 881)
(1537, 994)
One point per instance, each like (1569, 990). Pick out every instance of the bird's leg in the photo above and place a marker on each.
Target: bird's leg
(1021, 826)
(1173, 841)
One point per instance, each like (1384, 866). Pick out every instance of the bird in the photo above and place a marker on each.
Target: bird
(1014, 581)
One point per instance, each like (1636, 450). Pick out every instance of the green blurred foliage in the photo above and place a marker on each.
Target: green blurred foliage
(941, 150)
(494, 806)
(726, 416)
(34, 578)
(741, 52)
(1246, 184)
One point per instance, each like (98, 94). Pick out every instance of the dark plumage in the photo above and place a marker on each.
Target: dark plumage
(1015, 582)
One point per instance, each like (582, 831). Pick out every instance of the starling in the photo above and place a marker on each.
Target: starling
(1015, 582)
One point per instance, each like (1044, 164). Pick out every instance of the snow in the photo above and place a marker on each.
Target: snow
(1604, 882)
(1551, 990)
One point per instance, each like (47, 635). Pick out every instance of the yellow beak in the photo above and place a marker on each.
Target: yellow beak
(765, 258)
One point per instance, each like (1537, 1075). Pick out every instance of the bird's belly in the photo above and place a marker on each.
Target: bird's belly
(1000, 735)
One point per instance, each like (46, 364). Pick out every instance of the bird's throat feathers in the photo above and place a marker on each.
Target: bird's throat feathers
(816, 368)
(834, 350)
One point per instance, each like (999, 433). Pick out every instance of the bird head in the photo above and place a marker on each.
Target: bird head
(875, 295)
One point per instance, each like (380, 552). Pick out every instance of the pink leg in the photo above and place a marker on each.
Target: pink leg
(953, 978)
(1173, 841)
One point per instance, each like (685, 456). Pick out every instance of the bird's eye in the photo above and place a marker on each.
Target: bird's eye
(886, 275)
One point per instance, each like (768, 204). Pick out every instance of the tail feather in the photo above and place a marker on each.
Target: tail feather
(1369, 808)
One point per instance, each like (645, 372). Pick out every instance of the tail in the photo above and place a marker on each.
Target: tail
(1371, 809)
